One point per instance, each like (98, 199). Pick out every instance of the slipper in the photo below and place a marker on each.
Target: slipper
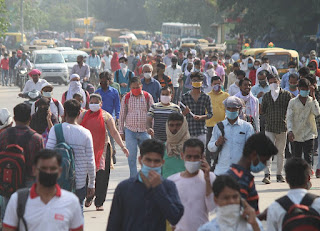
(100, 208)
(88, 203)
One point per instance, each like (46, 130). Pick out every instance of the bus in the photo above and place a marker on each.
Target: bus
(174, 30)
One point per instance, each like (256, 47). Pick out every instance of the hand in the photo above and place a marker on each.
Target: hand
(90, 192)
(180, 78)
(260, 94)
(125, 151)
(312, 91)
(221, 140)
(154, 179)
(263, 216)
(49, 114)
(123, 137)
(197, 118)
(150, 132)
(249, 214)
(291, 136)
(206, 169)
(85, 79)
(186, 111)
(123, 85)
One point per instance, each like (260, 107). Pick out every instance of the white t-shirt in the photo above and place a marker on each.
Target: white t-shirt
(174, 74)
(243, 225)
(62, 212)
(233, 89)
(53, 108)
(30, 85)
(80, 139)
(192, 193)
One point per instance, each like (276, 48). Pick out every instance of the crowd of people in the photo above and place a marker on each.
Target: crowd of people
(202, 124)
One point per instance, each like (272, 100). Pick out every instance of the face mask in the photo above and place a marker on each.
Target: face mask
(304, 93)
(191, 166)
(265, 65)
(47, 179)
(94, 107)
(215, 63)
(136, 92)
(197, 70)
(123, 65)
(232, 114)
(165, 99)
(228, 216)
(147, 75)
(74, 85)
(292, 70)
(262, 83)
(237, 81)
(227, 61)
(257, 168)
(196, 84)
(47, 94)
(216, 87)
(256, 67)
(190, 60)
(79, 62)
(250, 65)
(210, 72)
(145, 171)
(274, 87)
(312, 72)
(293, 86)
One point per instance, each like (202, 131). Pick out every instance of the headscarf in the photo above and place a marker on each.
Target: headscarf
(317, 67)
(5, 118)
(175, 141)
(75, 87)
(254, 110)
(34, 72)
(115, 62)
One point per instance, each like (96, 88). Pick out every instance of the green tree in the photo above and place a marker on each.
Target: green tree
(4, 23)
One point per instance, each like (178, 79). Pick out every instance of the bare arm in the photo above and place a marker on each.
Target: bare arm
(116, 136)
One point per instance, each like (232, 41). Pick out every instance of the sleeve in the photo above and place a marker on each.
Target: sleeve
(88, 72)
(52, 140)
(257, 117)
(26, 87)
(209, 199)
(151, 111)
(77, 220)
(18, 64)
(10, 217)
(61, 109)
(209, 107)
(151, 101)
(169, 82)
(33, 108)
(254, 91)
(122, 115)
(283, 81)
(99, 62)
(168, 201)
(215, 135)
(90, 161)
(290, 116)
(158, 92)
(205, 81)
(315, 108)
(264, 105)
(271, 220)
(73, 71)
(188, 83)
(250, 131)
(117, 105)
(116, 211)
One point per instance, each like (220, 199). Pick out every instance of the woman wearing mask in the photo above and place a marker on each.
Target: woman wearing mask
(253, 70)
(43, 120)
(115, 62)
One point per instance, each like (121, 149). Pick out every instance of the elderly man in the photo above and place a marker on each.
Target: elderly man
(82, 69)
(236, 133)
(149, 84)
(35, 83)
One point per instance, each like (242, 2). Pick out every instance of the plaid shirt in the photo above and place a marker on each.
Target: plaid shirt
(136, 117)
(30, 150)
(275, 112)
(201, 107)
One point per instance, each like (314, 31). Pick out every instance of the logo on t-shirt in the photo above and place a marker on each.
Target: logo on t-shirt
(59, 217)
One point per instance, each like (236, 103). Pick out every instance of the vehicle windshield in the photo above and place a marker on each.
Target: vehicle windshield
(98, 44)
(48, 58)
(279, 61)
(71, 58)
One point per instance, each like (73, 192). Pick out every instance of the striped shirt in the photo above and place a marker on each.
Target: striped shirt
(160, 114)
(80, 139)
(136, 116)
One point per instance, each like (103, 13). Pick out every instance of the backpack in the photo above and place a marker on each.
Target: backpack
(13, 164)
(67, 178)
(126, 101)
(117, 76)
(56, 102)
(215, 155)
(300, 217)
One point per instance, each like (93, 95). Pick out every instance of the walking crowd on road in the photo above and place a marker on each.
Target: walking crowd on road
(200, 126)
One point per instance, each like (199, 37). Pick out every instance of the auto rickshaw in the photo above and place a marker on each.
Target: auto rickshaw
(205, 48)
(12, 40)
(45, 42)
(203, 41)
(256, 52)
(141, 44)
(117, 46)
(32, 48)
(98, 42)
(76, 43)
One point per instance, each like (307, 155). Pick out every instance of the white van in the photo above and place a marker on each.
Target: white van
(52, 65)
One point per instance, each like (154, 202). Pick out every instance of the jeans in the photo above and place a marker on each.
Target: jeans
(208, 153)
(177, 95)
(5, 77)
(133, 140)
(81, 194)
(306, 147)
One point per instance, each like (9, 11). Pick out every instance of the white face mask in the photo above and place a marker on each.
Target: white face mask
(47, 94)
(265, 66)
(147, 75)
(228, 216)
(94, 107)
(165, 99)
(74, 85)
(292, 70)
(192, 166)
(210, 72)
(274, 87)
(123, 66)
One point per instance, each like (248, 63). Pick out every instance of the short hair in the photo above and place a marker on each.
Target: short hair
(293, 76)
(245, 79)
(263, 72)
(80, 56)
(261, 144)
(292, 63)
(297, 172)
(227, 56)
(214, 57)
(77, 95)
(22, 112)
(312, 78)
(72, 108)
(147, 65)
(304, 83)
(161, 65)
(197, 62)
(196, 75)
(93, 50)
(152, 145)
(123, 58)
(166, 88)
(105, 75)
(215, 78)
(135, 80)
(45, 154)
(193, 143)
(175, 116)
(303, 71)
(174, 59)
(235, 64)
(264, 58)
(271, 76)
(97, 96)
(189, 54)
(240, 72)
(223, 181)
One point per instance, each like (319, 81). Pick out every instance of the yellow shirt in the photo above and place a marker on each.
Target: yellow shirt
(217, 107)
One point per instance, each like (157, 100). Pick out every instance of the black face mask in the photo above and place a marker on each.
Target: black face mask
(48, 179)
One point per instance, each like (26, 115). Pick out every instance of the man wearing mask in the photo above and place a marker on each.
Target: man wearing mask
(23, 63)
(123, 76)
(209, 74)
(149, 84)
(12, 71)
(218, 69)
(82, 69)
(274, 108)
(266, 66)
(197, 69)
(167, 58)
(229, 215)
(293, 84)
(313, 56)
(197, 173)
(196, 106)
(151, 190)
(94, 63)
(237, 132)
(234, 88)
(107, 61)
(174, 71)
(253, 71)
(164, 80)
(189, 59)
(45, 197)
(132, 123)
(158, 115)
(131, 57)
(232, 77)
(285, 78)
(35, 83)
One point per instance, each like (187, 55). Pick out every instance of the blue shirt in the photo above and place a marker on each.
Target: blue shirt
(153, 87)
(285, 80)
(256, 89)
(295, 93)
(110, 101)
(94, 62)
(135, 207)
(123, 79)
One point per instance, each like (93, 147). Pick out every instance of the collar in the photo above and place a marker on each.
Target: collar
(297, 191)
(33, 193)
(238, 122)
(151, 80)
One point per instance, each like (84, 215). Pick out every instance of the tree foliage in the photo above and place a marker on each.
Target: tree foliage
(4, 23)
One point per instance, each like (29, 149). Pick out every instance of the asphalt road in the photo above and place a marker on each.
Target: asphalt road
(97, 221)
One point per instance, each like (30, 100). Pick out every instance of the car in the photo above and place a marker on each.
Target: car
(63, 49)
(52, 65)
(70, 57)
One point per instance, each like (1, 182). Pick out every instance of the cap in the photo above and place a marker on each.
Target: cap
(5, 118)
(46, 85)
(74, 76)
(34, 72)
(233, 102)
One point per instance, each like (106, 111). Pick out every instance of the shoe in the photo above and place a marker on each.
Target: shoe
(87, 203)
(100, 208)
(312, 172)
(280, 179)
(318, 173)
(266, 179)
(114, 159)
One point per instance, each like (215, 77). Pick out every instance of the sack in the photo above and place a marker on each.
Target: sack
(215, 155)
(67, 178)
(300, 217)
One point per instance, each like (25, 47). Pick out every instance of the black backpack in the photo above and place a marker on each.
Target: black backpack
(300, 217)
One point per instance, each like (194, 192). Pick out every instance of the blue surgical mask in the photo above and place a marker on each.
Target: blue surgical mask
(232, 114)
(145, 171)
(215, 62)
(197, 70)
(250, 65)
(304, 93)
(257, 168)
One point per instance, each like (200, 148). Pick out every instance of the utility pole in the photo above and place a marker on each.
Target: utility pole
(21, 18)
(87, 21)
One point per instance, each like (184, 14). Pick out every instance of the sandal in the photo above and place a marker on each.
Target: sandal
(100, 208)
(87, 203)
